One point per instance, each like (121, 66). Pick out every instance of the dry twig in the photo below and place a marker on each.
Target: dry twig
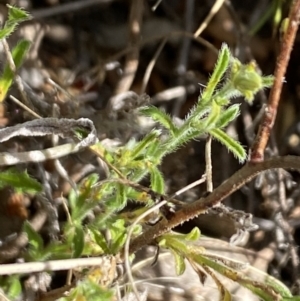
(235, 182)
(268, 120)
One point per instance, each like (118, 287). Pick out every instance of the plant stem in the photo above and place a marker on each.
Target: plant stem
(268, 120)
(190, 211)
(208, 165)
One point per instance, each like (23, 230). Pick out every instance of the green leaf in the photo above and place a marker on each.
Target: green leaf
(176, 242)
(198, 112)
(194, 235)
(157, 180)
(117, 227)
(144, 144)
(231, 144)
(100, 240)
(137, 230)
(18, 54)
(161, 117)
(73, 202)
(21, 181)
(121, 198)
(260, 289)
(228, 115)
(226, 294)
(277, 286)
(219, 70)
(15, 287)
(118, 242)
(118, 235)
(213, 116)
(179, 263)
(34, 238)
(78, 241)
(57, 250)
(85, 200)
(15, 16)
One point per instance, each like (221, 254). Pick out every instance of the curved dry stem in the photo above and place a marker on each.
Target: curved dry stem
(192, 210)
(126, 248)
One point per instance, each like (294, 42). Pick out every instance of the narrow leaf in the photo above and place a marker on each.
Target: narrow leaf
(34, 238)
(144, 144)
(179, 263)
(278, 286)
(213, 116)
(18, 54)
(231, 144)
(194, 235)
(78, 241)
(219, 70)
(161, 117)
(118, 243)
(100, 240)
(15, 289)
(228, 115)
(157, 180)
(21, 181)
(120, 196)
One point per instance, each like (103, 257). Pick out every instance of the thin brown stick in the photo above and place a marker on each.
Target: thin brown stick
(190, 211)
(268, 120)
(132, 58)
(215, 8)
(208, 164)
(151, 65)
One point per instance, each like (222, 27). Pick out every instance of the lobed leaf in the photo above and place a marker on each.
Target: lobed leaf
(15, 16)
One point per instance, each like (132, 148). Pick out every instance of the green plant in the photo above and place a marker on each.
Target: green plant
(137, 159)
(15, 17)
(107, 232)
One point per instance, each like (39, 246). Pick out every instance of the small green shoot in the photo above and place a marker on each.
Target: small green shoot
(15, 17)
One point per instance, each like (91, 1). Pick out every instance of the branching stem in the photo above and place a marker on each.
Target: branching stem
(190, 211)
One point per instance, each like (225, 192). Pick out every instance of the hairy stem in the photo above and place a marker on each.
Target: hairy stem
(192, 210)
(267, 122)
